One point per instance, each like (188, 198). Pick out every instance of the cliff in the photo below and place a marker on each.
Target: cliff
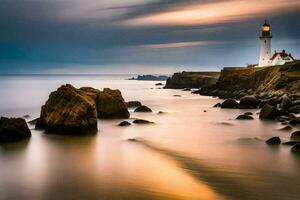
(236, 82)
(192, 80)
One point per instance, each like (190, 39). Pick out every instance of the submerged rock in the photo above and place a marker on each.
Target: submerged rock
(248, 113)
(13, 129)
(142, 121)
(158, 84)
(69, 111)
(269, 112)
(294, 122)
(142, 109)
(286, 128)
(133, 104)
(244, 117)
(295, 135)
(291, 143)
(124, 123)
(274, 141)
(296, 149)
(229, 103)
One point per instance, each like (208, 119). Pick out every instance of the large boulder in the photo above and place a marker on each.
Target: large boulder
(110, 104)
(249, 102)
(229, 103)
(269, 112)
(13, 129)
(69, 111)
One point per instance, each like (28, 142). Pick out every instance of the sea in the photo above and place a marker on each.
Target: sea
(193, 151)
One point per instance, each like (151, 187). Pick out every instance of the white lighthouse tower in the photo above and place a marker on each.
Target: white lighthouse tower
(265, 45)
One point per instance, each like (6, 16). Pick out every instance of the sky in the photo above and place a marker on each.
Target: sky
(140, 36)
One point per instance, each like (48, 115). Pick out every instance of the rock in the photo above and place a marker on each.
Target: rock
(229, 103)
(142, 121)
(274, 101)
(111, 105)
(269, 112)
(204, 110)
(291, 143)
(132, 139)
(142, 109)
(176, 95)
(285, 102)
(124, 123)
(294, 109)
(244, 117)
(13, 129)
(161, 112)
(248, 102)
(248, 113)
(69, 111)
(158, 84)
(273, 141)
(286, 128)
(294, 122)
(295, 135)
(133, 104)
(217, 105)
(296, 149)
(186, 89)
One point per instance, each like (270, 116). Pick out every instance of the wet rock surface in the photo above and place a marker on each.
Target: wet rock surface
(143, 109)
(13, 130)
(75, 111)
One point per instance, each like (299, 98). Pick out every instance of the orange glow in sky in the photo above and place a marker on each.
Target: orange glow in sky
(217, 12)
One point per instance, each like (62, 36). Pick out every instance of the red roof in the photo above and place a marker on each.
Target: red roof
(282, 54)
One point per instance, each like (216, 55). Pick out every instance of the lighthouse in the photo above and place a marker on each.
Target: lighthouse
(265, 45)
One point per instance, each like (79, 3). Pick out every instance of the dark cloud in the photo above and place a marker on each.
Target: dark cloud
(56, 33)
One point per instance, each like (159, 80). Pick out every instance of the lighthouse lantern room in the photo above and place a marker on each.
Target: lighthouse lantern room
(265, 45)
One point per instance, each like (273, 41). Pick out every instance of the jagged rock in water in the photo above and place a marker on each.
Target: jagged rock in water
(295, 135)
(229, 103)
(274, 141)
(111, 105)
(142, 109)
(244, 117)
(133, 104)
(69, 111)
(248, 102)
(13, 129)
(269, 112)
(75, 111)
(124, 123)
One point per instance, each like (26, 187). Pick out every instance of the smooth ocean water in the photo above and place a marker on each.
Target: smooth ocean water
(187, 154)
